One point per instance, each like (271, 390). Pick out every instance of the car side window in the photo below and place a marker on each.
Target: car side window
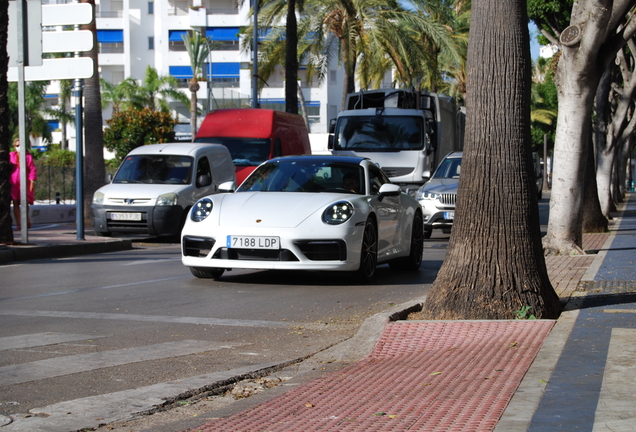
(203, 169)
(377, 179)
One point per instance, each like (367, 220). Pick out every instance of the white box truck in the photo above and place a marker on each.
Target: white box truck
(406, 133)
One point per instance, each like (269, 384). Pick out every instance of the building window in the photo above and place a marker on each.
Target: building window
(110, 41)
(151, 42)
(151, 8)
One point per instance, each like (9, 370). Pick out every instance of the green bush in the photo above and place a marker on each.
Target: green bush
(131, 128)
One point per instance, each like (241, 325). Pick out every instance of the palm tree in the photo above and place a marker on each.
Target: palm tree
(118, 95)
(36, 125)
(198, 50)
(155, 92)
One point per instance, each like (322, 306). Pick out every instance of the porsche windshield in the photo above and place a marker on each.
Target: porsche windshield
(306, 176)
(244, 151)
(379, 133)
(164, 169)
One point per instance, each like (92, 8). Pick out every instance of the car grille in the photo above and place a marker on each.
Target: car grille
(130, 201)
(397, 171)
(198, 247)
(448, 199)
(255, 254)
(323, 250)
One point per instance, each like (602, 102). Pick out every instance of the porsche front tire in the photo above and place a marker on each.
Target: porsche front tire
(368, 254)
(207, 273)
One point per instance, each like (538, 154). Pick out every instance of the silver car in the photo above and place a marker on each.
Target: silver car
(438, 195)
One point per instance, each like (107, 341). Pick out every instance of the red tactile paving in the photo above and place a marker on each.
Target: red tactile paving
(421, 376)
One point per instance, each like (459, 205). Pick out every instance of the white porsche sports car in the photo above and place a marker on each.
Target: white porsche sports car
(329, 213)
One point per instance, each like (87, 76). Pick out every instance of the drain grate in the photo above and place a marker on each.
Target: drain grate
(607, 287)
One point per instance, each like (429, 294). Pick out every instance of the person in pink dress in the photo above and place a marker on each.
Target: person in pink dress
(14, 158)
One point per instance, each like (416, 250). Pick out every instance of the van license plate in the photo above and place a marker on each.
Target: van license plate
(253, 242)
(449, 215)
(125, 216)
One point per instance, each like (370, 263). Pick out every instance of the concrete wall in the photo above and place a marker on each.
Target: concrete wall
(50, 213)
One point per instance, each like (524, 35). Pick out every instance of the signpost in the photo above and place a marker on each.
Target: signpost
(26, 44)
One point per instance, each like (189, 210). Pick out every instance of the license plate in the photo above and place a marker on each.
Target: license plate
(125, 216)
(253, 242)
(449, 215)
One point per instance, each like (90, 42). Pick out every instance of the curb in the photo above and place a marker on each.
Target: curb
(25, 253)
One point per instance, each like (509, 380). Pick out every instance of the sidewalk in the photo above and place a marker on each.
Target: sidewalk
(58, 240)
(573, 374)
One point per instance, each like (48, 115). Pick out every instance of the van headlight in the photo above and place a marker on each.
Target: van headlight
(98, 198)
(167, 199)
(337, 213)
(201, 210)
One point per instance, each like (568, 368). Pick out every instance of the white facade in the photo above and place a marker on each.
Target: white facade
(134, 34)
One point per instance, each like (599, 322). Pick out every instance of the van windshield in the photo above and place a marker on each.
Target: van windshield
(163, 169)
(244, 151)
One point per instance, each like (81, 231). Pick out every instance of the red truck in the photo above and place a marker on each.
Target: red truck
(254, 135)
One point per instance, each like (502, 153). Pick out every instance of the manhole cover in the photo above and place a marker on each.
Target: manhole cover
(4, 420)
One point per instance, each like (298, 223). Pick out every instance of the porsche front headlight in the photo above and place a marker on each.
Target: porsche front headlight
(201, 210)
(167, 199)
(337, 213)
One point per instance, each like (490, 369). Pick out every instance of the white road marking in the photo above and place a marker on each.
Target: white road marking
(616, 410)
(619, 311)
(41, 339)
(92, 411)
(55, 367)
(153, 318)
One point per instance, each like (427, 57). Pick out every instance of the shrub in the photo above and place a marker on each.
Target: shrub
(131, 128)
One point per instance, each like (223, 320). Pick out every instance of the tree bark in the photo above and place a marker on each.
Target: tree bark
(495, 264)
(593, 219)
(194, 87)
(291, 59)
(6, 232)
(94, 167)
(578, 73)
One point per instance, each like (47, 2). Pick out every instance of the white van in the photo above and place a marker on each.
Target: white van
(156, 185)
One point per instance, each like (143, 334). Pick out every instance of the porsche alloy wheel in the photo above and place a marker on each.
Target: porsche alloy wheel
(207, 273)
(414, 260)
(369, 253)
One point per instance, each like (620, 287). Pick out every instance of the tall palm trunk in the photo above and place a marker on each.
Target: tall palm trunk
(291, 59)
(94, 167)
(194, 87)
(495, 264)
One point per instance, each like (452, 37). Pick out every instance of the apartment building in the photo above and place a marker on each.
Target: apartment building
(134, 34)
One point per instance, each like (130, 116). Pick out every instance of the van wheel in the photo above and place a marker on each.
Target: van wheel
(207, 273)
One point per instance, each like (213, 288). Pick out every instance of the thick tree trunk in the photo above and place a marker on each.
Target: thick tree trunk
(94, 167)
(6, 233)
(593, 219)
(495, 264)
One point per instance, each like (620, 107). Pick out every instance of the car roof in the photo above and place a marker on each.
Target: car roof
(327, 158)
(184, 149)
(454, 155)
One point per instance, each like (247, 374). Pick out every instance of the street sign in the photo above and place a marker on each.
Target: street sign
(33, 41)
(55, 42)
(67, 14)
(67, 41)
(55, 69)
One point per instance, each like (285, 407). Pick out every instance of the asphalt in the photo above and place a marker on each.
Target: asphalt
(577, 373)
